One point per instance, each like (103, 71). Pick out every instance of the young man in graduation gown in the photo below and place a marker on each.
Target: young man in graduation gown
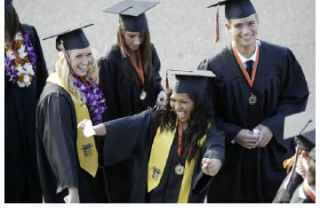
(305, 143)
(130, 80)
(257, 84)
(25, 76)
(158, 140)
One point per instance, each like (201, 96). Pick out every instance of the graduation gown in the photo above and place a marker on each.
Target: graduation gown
(133, 136)
(123, 99)
(56, 150)
(287, 189)
(21, 178)
(281, 89)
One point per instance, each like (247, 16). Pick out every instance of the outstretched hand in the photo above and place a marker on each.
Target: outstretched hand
(211, 166)
(87, 128)
(161, 99)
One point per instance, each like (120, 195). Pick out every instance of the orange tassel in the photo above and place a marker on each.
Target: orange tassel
(216, 38)
(288, 163)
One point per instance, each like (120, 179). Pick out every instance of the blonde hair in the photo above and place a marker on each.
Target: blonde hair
(63, 71)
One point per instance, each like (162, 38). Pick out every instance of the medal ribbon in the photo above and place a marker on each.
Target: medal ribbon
(244, 71)
(140, 69)
(180, 139)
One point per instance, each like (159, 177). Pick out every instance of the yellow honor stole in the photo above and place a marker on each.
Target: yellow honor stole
(86, 147)
(158, 159)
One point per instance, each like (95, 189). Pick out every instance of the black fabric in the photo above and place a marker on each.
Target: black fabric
(236, 9)
(21, 178)
(300, 198)
(190, 84)
(133, 23)
(72, 40)
(139, 134)
(8, 3)
(287, 188)
(306, 141)
(56, 150)
(281, 89)
(132, 14)
(249, 64)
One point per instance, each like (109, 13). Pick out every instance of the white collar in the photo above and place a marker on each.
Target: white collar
(253, 57)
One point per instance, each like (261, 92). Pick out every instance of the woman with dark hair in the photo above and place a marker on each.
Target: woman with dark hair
(25, 76)
(130, 81)
(176, 150)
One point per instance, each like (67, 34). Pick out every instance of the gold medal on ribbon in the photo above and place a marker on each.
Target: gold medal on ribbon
(252, 99)
(179, 169)
(143, 95)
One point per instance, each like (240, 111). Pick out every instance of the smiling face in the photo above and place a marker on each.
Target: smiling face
(182, 105)
(80, 60)
(133, 40)
(243, 31)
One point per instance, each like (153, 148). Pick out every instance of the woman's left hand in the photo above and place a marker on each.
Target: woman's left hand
(161, 99)
(211, 166)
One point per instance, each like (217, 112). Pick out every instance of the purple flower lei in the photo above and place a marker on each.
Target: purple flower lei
(10, 70)
(95, 101)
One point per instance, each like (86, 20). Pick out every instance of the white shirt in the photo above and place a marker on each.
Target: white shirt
(253, 57)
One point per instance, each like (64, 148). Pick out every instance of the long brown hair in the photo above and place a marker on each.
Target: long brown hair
(146, 55)
(12, 23)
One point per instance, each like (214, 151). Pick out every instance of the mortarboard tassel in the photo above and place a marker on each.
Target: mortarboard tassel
(167, 82)
(216, 38)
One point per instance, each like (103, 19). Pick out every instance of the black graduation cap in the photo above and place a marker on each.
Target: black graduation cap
(8, 3)
(236, 9)
(190, 81)
(132, 14)
(72, 39)
(302, 127)
(306, 141)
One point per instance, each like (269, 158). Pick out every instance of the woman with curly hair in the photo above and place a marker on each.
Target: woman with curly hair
(25, 76)
(68, 162)
(176, 149)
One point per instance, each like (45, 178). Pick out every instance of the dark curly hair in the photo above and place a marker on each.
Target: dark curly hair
(201, 115)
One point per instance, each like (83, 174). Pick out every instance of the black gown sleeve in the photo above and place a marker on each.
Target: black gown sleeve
(293, 98)
(156, 67)
(57, 120)
(107, 84)
(214, 147)
(123, 134)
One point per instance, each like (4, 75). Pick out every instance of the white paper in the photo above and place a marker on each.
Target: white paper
(88, 129)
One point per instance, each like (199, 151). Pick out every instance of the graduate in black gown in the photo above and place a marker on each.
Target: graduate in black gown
(25, 76)
(257, 84)
(298, 172)
(306, 191)
(129, 79)
(175, 150)
(67, 161)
